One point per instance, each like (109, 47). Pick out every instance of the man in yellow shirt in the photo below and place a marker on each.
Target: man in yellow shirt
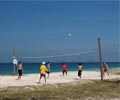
(43, 70)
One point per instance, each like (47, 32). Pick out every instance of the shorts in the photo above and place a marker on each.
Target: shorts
(105, 70)
(79, 72)
(64, 71)
(48, 72)
(20, 72)
(44, 75)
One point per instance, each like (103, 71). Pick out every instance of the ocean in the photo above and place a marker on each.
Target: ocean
(31, 68)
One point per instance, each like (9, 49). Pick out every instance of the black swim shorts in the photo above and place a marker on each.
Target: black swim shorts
(79, 72)
(20, 72)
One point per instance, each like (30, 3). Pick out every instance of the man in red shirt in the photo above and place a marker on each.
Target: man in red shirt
(64, 68)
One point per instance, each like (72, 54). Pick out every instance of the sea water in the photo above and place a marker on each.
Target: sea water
(31, 68)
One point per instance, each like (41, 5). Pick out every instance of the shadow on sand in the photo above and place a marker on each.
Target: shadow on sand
(117, 81)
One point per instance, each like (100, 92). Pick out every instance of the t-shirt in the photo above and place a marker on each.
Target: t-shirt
(43, 69)
(15, 61)
(48, 67)
(64, 67)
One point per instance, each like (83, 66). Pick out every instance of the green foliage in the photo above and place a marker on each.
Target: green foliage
(81, 90)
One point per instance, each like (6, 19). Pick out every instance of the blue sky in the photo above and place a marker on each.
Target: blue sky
(40, 28)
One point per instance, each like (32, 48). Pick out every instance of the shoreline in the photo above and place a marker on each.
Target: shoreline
(30, 68)
(55, 78)
(98, 70)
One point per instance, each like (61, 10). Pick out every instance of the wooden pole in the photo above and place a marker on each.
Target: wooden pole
(100, 57)
(14, 51)
(14, 69)
(14, 55)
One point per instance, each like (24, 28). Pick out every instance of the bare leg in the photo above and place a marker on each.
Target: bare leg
(107, 73)
(103, 73)
(80, 76)
(40, 79)
(63, 73)
(48, 76)
(20, 77)
(45, 79)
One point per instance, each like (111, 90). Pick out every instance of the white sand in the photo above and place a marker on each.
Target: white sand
(32, 79)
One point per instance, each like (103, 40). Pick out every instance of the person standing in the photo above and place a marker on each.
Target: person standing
(15, 63)
(20, 68)
(80, 67)
(43, 71)
(105, 69)
(48, 68)
(64, 68)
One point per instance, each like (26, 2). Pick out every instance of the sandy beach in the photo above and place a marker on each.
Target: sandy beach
(57, 77)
